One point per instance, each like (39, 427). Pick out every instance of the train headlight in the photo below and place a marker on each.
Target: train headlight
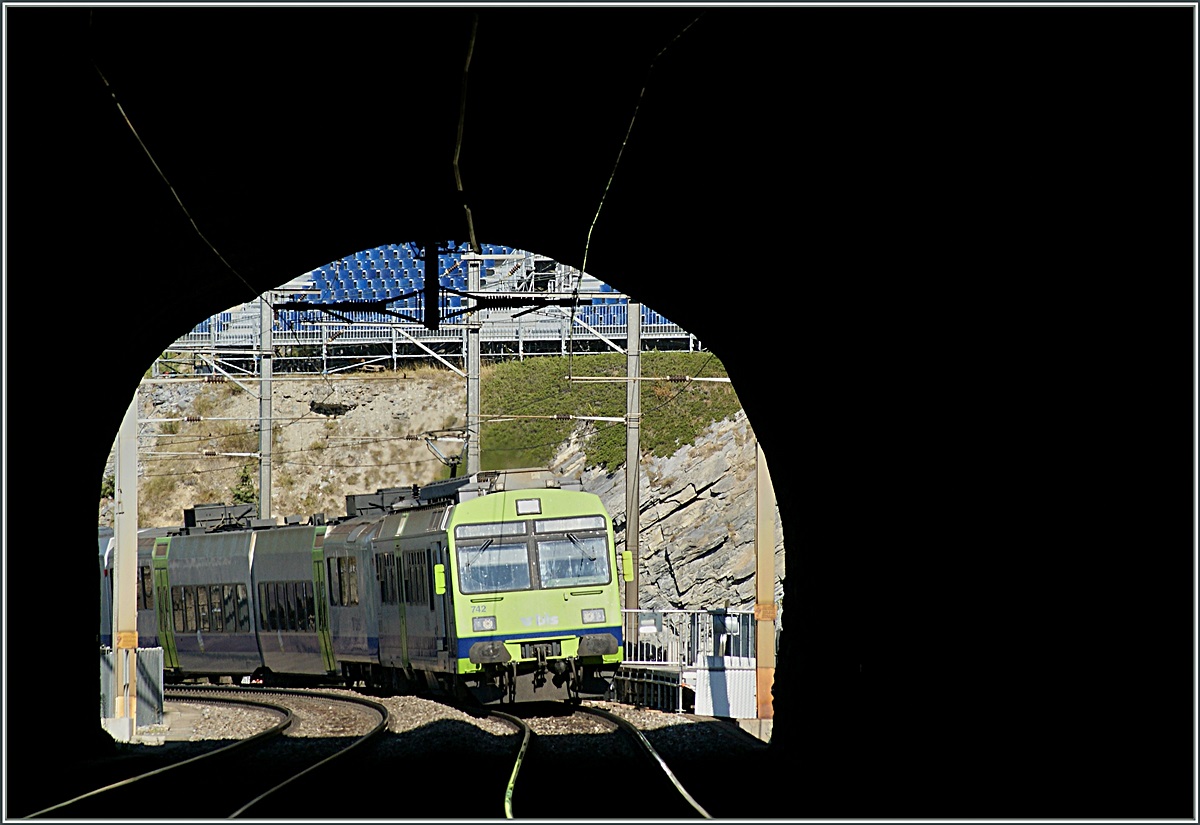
(482, 624)
(593, 615)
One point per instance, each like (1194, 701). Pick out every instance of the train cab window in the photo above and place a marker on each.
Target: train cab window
(573, 561)
(492, 556)
(572, 551)
(490, 566)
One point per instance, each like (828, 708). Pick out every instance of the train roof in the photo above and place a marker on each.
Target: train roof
(457, 490)
(210, 518)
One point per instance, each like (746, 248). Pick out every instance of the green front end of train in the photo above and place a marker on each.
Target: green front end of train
(536, 594)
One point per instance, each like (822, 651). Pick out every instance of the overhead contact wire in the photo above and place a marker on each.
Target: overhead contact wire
(170, 186)
(617, 162)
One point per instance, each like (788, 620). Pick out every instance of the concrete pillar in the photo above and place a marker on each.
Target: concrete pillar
(264, 411)
(471, 443)
(125, 638)
(633, 464)
(765, 609)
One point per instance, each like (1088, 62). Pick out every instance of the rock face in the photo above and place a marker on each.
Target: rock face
(696, 520)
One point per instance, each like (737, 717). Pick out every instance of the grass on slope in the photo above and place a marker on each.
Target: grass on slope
(674, 413)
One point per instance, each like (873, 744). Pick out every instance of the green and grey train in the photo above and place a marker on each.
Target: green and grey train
(502, 585)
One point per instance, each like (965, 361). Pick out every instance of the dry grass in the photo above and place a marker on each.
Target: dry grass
(316, 460)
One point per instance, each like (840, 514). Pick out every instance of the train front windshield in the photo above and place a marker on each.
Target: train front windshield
(564, 552)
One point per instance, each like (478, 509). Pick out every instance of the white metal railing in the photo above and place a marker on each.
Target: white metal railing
(676, 660)
(239, 328)
(688, 638)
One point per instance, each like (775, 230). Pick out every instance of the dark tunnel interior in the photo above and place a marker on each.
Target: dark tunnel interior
(944, 253)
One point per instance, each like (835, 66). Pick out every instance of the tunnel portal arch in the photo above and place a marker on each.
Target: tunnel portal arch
(948, 291)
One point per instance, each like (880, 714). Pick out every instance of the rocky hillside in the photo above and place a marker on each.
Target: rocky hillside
(697, 519)
(355, 435)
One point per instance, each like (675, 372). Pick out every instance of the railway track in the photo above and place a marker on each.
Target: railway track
(245, 777)
(544, 760)
(549, 763)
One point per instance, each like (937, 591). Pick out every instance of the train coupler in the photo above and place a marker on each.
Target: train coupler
(539, 675)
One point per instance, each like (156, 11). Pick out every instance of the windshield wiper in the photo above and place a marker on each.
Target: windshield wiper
(482, 547)
(582, 548)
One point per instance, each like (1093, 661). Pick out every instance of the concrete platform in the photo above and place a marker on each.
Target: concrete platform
(758, 728)
(178, 725)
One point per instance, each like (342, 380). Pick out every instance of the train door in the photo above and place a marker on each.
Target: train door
(402, 597)
(321, 599)
(397, 611)
(393, 650)
(444, 608)
(162, 603)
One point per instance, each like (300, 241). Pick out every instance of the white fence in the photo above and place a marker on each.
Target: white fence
(698, 660)
(311, 341)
